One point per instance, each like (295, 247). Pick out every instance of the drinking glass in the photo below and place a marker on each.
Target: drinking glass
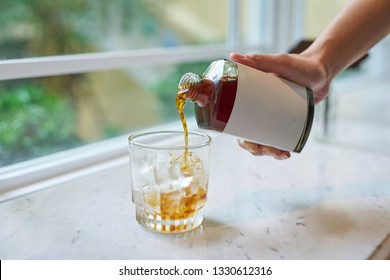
(169, 180)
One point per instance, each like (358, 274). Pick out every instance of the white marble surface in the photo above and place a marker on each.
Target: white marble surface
(330, 202)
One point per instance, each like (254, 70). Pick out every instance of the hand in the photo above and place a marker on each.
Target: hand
(302, 69)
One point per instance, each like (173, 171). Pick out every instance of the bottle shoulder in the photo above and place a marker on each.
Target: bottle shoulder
(221, 69)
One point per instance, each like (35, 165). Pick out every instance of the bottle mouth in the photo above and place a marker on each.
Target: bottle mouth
(188, 80)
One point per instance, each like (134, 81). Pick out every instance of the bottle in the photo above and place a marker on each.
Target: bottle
(253, 105)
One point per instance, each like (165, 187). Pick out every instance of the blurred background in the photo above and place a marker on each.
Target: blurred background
(40, 116)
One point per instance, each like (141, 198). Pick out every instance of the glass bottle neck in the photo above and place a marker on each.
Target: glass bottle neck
(195, 89)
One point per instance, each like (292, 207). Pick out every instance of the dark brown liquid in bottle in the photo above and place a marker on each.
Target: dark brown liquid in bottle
(216, 113)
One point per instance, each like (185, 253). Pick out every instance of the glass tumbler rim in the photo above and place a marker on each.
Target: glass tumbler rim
(134, 140)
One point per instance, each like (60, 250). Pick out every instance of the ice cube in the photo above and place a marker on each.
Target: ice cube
(199, 174)
(188, 167)
(143, 171)
(175, 173)
(161, 174)
(192, 158)
(186, 180)
(151, 197)
(170, 202)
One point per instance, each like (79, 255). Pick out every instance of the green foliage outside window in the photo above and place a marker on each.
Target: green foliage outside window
(33, 123)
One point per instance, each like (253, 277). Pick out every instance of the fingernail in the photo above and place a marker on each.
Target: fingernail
(237, 55)
(250, 147)
(284, 156)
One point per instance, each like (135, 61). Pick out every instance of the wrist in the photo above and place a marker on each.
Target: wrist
(322, 62)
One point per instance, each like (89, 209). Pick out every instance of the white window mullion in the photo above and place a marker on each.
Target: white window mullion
(268, 30)
(234, 26)
(298, 31)
(254, 31)
(288, 23)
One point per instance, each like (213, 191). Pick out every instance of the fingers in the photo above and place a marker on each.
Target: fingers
(243, 59)
(261, 150)
(298, 69)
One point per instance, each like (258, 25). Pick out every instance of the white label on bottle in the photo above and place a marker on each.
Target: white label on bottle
(268, 110)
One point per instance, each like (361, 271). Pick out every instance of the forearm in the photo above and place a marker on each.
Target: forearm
(358, 27)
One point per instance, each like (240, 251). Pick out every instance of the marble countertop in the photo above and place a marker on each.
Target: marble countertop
(330, 202)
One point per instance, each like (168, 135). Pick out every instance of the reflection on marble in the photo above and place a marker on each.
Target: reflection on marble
(330, 202)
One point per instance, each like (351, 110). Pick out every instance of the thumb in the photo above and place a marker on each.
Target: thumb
(264, 63)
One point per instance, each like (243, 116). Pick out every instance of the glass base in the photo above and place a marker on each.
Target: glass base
(168, 224)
